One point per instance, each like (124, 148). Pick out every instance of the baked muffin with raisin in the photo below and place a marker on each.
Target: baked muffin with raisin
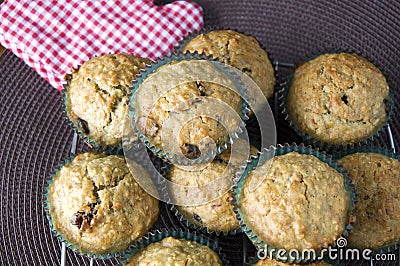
(97, 96)
(97, 207)
(214, 211)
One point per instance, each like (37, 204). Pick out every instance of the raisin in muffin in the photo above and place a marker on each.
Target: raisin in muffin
(201, 114)
(338, 98)
(96, 205)
(97, 97)
(377, 181)
(175, 252)
(215, 212)
(240, 51)
(300, 203)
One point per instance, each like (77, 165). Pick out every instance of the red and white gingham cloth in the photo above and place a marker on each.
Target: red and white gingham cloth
(54, 36)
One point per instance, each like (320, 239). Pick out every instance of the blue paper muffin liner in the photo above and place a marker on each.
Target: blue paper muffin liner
(71, 246)
(265, 155)
(159, 152)
(390, 247)
(282, 97)
(159, 235)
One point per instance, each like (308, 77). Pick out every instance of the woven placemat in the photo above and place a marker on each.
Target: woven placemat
(35, 137)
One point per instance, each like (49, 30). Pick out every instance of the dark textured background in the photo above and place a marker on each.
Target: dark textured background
(34, 136)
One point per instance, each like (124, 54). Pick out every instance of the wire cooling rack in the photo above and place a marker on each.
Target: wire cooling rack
(238, 248)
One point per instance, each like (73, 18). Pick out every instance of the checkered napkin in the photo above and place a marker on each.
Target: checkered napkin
(54, 36)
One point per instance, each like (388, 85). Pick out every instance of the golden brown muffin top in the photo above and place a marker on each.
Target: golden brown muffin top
(301, 202)
(338, 98)
(377, 181)
(98, 95)
(215, 210)
(96, 205)
(200, 112)
(175, 252)
(240, 51)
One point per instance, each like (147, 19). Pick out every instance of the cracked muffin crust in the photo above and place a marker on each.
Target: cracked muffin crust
(97, 96)
(301, 203)
(216, 214)
(377, 181)
(184, 106)
(175, 252)
(96, 205)
(240, 51)
(338, 98)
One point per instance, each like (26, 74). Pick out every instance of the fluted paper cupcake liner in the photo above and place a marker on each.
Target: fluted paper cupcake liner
(46, 205)
(174, 158)
(158, 235)
(280, 150)
(282, 99)
(90, 141)
(389, 247)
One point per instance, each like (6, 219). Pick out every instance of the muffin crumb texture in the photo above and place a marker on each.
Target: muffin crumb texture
(98, 95)
(200, 114)
(96, 205)
(216, 210)
(338, 98)
(377, 181)
(175, 252)
(240, 51)
(301, 203)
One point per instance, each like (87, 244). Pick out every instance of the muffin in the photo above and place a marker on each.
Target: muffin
(215, 209)
(338, 99)
(240, 51)
(300, 203)
(97, 96)
(175, 252)
(96, 206)
(377, 181)
(272, 262)
(201, 114)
